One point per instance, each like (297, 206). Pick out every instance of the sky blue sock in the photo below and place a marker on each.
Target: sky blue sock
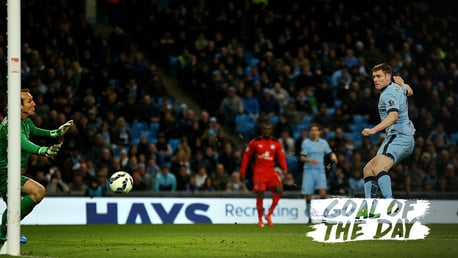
(384, 182)
(368, 186)
(307, 208)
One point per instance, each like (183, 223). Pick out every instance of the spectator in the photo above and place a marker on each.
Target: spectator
(288, 144)
(191, 185)
(140, 183)
(165, 181)
(339, 183)
(323, 117)
(179, 160)
(207, 186)
(183, 178)
(220, 178)
(414, 179)
(227, 157)
(56, 185)
(250, 104)
(268, 104)
(438, 137)
(231, 106)
(306, 102)
(356, 182)
(122, 135)
(94, 189)
(280, 94)
(77, 186)
(152, 167)
(289, 183)
(201, 176)
(164, 149)
(149, 112)
(235, 185)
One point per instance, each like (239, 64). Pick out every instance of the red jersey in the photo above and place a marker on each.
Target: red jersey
(265, 152)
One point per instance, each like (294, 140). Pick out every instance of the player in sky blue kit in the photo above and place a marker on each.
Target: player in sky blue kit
(313, 153)
(399, 142)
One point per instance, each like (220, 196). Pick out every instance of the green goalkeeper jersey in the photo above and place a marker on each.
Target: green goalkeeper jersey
(28, 129)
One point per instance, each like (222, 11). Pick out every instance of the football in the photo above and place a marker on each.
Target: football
(121, 182)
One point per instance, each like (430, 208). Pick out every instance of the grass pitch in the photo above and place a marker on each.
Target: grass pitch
(213, 240)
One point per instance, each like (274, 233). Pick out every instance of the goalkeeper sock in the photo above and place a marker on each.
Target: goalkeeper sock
(3, 228)
(27, 205)
(275, 199)
(368, 186)
(260, 208)
(384, 182)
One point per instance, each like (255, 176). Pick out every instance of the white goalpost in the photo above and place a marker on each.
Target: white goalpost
(12, 245)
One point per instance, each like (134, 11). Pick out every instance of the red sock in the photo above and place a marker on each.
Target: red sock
(260, 208)
(275, 199)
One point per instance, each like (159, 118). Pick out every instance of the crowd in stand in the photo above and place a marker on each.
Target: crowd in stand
(285, 61)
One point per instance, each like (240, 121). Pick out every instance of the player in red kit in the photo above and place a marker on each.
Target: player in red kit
(264, 151)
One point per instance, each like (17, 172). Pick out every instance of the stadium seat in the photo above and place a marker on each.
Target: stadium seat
(454, 138)
(159, 100)
(297, 128)
(274, 119)
(174, 142)
(243, 119)
(374, 137)
(173, 64)
(330, 135)
(307, 119)
(247, 129)
(248, 55)
(146, 133)
(296, 135)
(139, 126)
(356, 128)
(154, 128)
(359, 119)
(254, 61)
(135, 139)
(293, 166)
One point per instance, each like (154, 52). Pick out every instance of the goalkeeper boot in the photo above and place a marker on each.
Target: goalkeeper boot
(23, 239)
(269, 220)
(3, 233)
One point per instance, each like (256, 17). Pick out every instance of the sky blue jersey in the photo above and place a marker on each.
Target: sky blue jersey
(315, 150)
(394, 98)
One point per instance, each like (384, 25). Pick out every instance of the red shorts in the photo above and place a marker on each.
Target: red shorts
(266, 182)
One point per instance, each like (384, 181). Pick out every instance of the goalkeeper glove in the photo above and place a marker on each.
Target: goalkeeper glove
(50, 151)
(62, 129)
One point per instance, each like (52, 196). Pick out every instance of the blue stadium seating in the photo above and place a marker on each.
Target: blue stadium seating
(154, 128)
(454, 138)
(174, 142)
(246, 129)
(243, 119)
(359, 119)
(307, 119)
(274, 119)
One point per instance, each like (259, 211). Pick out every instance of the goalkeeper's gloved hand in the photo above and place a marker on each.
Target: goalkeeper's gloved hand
(50, 151)
(62, 129)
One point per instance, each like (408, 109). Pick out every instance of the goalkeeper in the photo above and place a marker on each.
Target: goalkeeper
(32, 192)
